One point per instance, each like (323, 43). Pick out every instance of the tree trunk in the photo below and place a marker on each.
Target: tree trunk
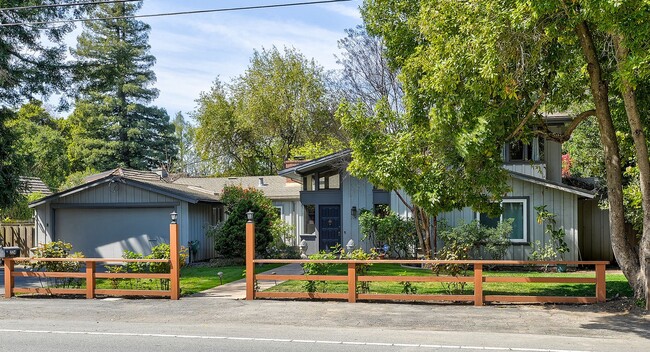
(643, 162)
(623, 250)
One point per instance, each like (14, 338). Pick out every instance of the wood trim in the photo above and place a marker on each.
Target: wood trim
(46, 274)
(110, 292)
(478, 285)
(132, 276)
(415, 261)
(352, 283)
(417, 278)
(416, 297)
(250, 260)
(88, 260)
(557, 280)
(316, 295)
(539, 299)
(113, 205)
(43, 290)
(301, 277)
(90, 280)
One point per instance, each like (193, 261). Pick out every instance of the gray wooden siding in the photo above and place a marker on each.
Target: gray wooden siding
(595, 243)
(356, 193)
(114, 192)
(563, 204)
(292, 214)
(535, 170)
(200, 216)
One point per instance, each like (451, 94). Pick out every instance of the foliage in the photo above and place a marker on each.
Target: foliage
(12, 163)
(557, 244)
(187, 160)
(76, 178)
(398, 233)
(230, 236)
(474, 241)
(283, 245)
(162, 251)
(113, 124)
(318, 269)
(20, 210)
(251, 126)
(57, 249)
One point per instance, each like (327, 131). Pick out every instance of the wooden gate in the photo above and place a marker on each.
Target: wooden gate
(18, 234)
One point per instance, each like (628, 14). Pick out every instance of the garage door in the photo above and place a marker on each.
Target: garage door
(106, 233)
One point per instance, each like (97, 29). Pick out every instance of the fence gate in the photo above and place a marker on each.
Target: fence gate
(18, 234)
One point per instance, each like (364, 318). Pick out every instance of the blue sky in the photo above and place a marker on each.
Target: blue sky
(192, 50)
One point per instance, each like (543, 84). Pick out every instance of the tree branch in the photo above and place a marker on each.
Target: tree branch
(563, 137)
(528, 115)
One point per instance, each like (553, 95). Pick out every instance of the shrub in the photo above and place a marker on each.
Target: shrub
(392, 230)
(58, 249)
(477, 241)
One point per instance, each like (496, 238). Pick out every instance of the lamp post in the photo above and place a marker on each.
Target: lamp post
(250, 256)
(174, 257)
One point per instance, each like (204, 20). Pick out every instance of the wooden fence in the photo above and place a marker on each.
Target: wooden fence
(18, 234)
(91, 275)
(478, 278)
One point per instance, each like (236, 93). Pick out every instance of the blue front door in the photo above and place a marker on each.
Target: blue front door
(329, 226)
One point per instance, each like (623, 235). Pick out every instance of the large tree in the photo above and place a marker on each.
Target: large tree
(485, 70)
(113, 123)
(251, 126)
(29, 67)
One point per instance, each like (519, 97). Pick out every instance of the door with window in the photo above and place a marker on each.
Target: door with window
(329, 226)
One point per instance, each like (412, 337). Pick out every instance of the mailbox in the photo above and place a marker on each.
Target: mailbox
(9, 252)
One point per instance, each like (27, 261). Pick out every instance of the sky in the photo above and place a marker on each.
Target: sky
(193, 50)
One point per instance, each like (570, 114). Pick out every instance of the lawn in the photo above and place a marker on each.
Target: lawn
(616, 283)
(193, 278)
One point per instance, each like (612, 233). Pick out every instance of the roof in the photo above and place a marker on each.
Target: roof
(330, 160)
(140, 179)
(34, 185)
(273, 187)
(555, 185)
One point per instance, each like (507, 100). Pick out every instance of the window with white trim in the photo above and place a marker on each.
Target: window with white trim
(516, 209)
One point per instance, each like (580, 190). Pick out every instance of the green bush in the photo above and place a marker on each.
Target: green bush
(398, 233)
(230, 236)
(475, 241)
(58, 249)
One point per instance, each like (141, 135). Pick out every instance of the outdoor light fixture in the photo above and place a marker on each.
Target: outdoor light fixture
(249, 215)
(354, 212)
(174, 216)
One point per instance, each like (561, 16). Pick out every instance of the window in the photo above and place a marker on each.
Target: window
(329, 180)
(310, 218)
(309, 183)
(216, 215)
(516, 209)
(520, 152)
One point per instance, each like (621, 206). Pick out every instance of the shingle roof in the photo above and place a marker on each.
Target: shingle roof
(34, 185)
(274, 187)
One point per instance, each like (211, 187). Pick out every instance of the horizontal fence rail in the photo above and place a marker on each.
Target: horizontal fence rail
(477, 279)
(90, 275)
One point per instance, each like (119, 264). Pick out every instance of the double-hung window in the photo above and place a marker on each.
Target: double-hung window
(515, 209)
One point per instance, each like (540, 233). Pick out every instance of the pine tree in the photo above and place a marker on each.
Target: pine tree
(113, 123)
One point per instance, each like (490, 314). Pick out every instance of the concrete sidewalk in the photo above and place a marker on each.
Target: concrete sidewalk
(237, 289)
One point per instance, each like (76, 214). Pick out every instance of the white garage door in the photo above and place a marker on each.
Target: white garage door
(106, 233)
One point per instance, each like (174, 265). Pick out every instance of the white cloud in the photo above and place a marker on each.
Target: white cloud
(344, 10)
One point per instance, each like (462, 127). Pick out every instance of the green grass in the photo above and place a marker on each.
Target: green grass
(193, 278)
(616, 283)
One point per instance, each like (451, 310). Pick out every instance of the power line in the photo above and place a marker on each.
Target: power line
(164, 14)
(65, 5)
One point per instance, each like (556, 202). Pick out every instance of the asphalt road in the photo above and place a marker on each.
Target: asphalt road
(209, 324)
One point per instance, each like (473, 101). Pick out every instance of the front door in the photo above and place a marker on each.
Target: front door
(329, 226)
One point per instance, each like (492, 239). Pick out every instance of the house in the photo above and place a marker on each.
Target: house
(124, 209)
(332, 200)
(283, 192)
(32, 185)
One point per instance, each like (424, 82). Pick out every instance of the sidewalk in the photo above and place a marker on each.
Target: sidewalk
(237, 289)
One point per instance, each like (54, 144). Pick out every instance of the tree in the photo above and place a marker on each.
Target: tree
(29, 66)
(113, 123)
(230, 238)
(251, 126)
(186, 160)
(41, 144)
(496, 66)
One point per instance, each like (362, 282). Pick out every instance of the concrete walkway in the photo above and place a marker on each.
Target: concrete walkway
(237, 289)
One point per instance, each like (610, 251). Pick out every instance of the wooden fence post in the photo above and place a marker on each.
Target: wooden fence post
(601, 291)
(478, 284)
(9, 279)
(250, 257)
(352, 282)
(175, 263)
(90, 279)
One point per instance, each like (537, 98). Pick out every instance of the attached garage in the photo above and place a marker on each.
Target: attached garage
(126, 210)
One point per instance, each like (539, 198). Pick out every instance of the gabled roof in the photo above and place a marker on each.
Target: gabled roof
(34, 185)
(556, 185)
(273, 187)
(141, 179)
(296, 172)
